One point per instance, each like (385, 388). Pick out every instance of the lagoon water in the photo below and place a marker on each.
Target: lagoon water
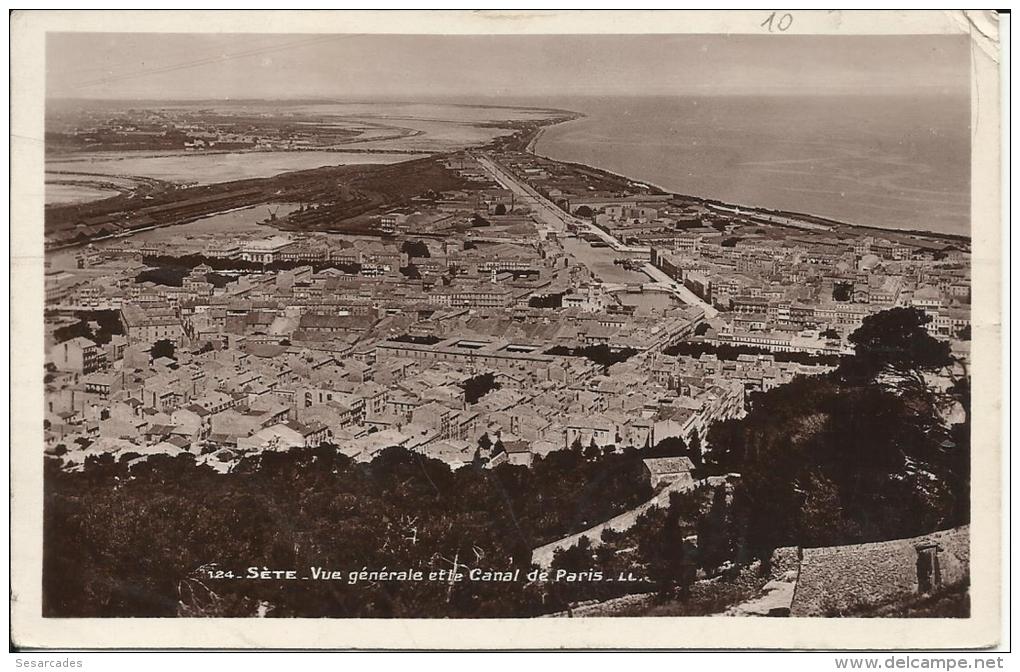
(59, 194)
(888, 161)
(390, 133)
(208, 168)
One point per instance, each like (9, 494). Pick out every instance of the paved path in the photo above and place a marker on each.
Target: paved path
(543, 555)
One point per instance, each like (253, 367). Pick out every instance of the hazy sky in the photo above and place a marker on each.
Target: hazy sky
(174, 66)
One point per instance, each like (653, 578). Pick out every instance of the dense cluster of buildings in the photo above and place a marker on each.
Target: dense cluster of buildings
(781, 283)
(774, 290)
(460, 322)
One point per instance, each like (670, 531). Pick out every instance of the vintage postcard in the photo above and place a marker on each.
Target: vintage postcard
(582, 329)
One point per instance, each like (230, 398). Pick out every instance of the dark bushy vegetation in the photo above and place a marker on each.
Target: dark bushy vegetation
(547, 301)
(894, 343)
(601, 354)
(168, 276)
(419, 340)
(731, 352)
(853, 456)
(842, 291)
(415, 248)
(655, 551)
(123, 542)
(478, 386)
(341, 198)
(162, 348)
(173, 276)
(108, 321)
(190, 261)
(410, 272)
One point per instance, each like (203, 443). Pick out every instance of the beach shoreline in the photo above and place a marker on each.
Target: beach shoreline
(810, 218)
(536, 130)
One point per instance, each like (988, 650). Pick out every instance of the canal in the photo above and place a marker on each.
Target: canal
(600, 261)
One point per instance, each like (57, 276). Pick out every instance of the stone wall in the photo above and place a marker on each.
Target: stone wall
(837, 578)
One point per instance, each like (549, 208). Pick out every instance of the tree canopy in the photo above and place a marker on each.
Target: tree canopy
(415, 248)
(601, 354)
(896, 342)
(410, 272)
(136, 540)
(108, 322)
(478, 386)
(842, 291)
(162, 348)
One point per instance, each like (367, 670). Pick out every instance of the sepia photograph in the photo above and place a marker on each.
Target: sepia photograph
(346, 324)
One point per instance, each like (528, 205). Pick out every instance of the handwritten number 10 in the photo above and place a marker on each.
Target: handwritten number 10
(781, 23)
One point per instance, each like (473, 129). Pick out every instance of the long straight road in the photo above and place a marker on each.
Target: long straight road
(556, 219)
(553, 215)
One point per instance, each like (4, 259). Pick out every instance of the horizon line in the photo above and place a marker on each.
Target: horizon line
(403, 98)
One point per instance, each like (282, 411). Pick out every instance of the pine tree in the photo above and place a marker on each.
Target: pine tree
(715, 533)
(694, 449)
